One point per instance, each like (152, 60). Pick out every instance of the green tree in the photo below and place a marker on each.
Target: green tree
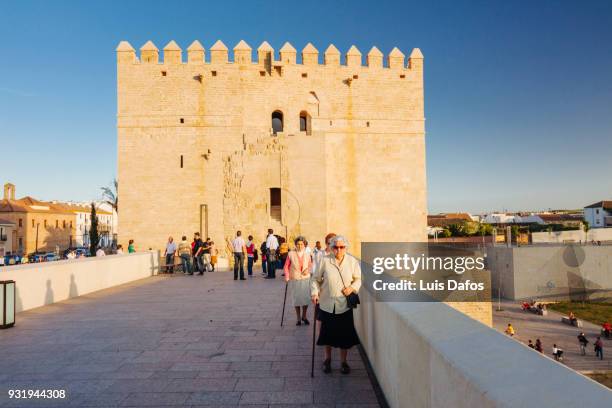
(94, 236)
(111, 196)
(456, 230)
(445, 233)
(485, 229)
(515, 230)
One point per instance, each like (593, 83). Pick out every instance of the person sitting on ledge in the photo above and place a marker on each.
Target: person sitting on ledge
(557, 352)
(572, 318)
(525, 306)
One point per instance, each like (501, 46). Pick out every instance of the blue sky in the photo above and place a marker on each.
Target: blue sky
(518, 93)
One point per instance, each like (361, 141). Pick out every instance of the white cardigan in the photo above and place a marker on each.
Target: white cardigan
(327, 284)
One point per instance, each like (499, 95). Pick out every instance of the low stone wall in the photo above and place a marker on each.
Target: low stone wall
(555, 272)
(595, 234)
(41, 284)
(430, 355)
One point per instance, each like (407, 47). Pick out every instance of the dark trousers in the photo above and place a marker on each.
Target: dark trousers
(272, 269)
(198, 263)
(264, 267)
(599, 353)
(170, 263)
(238, 263)
(186, 261)
(250, 265)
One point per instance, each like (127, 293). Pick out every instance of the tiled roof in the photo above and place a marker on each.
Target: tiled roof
(31, 205)
(606, 205)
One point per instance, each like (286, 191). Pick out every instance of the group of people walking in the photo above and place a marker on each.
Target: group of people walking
(557, 351)
(324, 277)
(196, 257)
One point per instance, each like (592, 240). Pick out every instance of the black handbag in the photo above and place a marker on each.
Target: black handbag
(352, 300)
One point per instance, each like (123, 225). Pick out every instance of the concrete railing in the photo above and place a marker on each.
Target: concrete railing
(430, 355)
(44, 283)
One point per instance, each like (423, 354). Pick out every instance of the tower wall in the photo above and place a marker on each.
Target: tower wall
(358, 170)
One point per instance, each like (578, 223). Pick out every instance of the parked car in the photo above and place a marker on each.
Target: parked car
(36, 257)
(12, 259)
(51, 256)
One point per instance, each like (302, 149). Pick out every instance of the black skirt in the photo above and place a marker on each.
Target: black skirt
(337, 330)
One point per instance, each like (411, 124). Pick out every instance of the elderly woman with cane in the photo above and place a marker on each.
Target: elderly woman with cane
(298, 268)
(334, 286)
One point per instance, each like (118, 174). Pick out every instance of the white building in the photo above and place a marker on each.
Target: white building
(599, 215)
(107, 222)
(501, 218)
(6, 237)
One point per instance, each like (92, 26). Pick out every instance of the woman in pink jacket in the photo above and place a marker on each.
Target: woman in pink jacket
(298, 268)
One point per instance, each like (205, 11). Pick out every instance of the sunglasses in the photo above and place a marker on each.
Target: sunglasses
(339, 247)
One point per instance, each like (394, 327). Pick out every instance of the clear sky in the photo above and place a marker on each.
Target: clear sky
(518, 94)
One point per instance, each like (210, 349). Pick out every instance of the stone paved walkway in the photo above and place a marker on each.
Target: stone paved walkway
(550, 330)
(201, 341)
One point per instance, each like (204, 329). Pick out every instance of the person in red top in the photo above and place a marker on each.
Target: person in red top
(606, 329)
(250, 247)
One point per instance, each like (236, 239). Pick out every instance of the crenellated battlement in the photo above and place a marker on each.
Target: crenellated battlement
(266, 55)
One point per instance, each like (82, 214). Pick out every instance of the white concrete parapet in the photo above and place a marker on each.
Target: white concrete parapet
(430, 355)
(41, 284)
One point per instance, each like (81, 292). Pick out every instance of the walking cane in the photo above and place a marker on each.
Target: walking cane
(284, 301)
(314, 333)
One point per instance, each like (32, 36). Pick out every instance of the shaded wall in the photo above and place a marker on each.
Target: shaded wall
(41, 284)
(552, 271)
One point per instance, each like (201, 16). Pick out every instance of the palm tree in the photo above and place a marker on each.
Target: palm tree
(110, 195)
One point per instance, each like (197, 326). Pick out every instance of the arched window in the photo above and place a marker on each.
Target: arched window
(305, 122)
(277, 122)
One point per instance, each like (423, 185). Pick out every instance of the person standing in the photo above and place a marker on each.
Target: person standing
(271, 254)
(510, 330)
(298, 269)
(184, 251)
(198, 247)
(169, 253)
(337, 276)
(324, 252)
(250, 250)
(131, 248)
(206, 255)
(283, 250)
(214, 255)
(599, 348)
(239, 248)
(582, 342)
(264, 261)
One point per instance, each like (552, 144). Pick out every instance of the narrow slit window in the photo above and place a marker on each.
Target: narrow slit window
(305, 122)
(181, 161)
(182, 120)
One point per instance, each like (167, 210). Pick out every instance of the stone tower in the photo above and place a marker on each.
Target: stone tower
(302, 145)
